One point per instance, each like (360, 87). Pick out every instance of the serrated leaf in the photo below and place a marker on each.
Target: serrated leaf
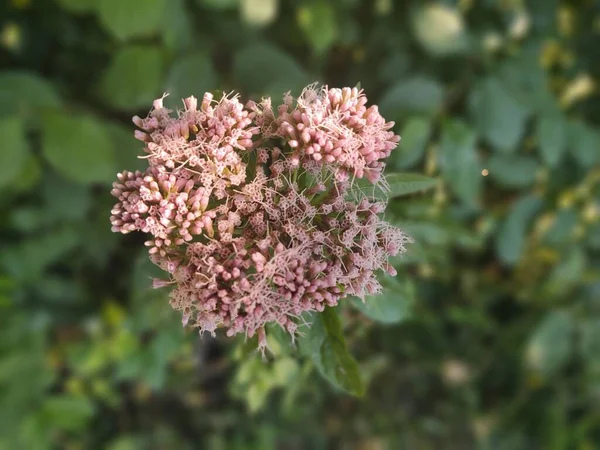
(550, 344)
(133, 78)
(408, 183)
(396, 185)
(131, 18)
(552, 138)
(393, 305)
(510, 241)
(459, 161)
(78, 147)
(419, 94)
(259, 67)
(499, 117)
(335, 359)
(190, 75)
(14, 151)
(23, 93)
(415, 134)
(324, 342)
(318, 21)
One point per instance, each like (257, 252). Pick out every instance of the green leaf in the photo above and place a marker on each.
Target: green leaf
(258, 67)
(459, 161)
(15, 151)
(562, 228)
(133, 78)
(219, 5)
(190, 75)
(25, 261)
(28, 176)
(514, 171)
(584, 144)
(126, 442)
(318, 20)
(527, 81)
(68, 412)
(64, 200)
(408, 183)
(131, 18)
(499, 117)
(398, 184)
(177, 29)
(568, 271)
(419, 94)
(23, 92)
(589, 343)
(78, 147)
(78, 6)
(393, 305)
(549, 347)
(415, 135)
(324, 342)
(552, 138)
(127, 148)
(510, 241)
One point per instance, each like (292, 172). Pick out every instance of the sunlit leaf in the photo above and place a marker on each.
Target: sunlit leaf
(259, 12)
(440, 29)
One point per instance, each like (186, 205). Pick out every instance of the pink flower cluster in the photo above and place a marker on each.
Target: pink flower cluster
(253, 215)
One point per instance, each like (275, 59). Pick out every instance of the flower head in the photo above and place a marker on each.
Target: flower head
(249, 212)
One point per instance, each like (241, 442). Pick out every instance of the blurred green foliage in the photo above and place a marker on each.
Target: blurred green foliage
(488, 338)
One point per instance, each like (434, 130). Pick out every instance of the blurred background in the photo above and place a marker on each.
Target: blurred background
(489, 337)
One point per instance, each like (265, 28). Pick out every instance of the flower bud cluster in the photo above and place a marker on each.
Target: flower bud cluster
(253, 215)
